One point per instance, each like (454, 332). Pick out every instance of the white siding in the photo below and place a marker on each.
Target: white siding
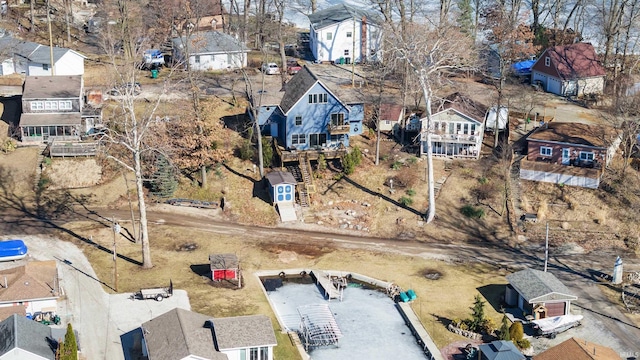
(559, 178)
(69, 64)
(19, 354)
(35, 306)
(591, 86)
(332, 50)
(235, 353)
(6, 68)
(219, 61)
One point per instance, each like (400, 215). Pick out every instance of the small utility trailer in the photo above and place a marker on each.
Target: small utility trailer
(158, 294)
(550, 327)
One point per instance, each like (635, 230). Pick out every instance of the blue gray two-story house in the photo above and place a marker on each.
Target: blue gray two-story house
(310, 116)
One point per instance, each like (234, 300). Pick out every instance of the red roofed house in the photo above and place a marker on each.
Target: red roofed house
(569, 70)
(391, 117)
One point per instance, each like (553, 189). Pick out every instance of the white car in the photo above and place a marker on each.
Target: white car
(271, 69)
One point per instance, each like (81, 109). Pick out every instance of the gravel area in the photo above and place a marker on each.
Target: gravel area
(99, 318)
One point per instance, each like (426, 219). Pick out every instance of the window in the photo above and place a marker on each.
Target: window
(51, 105)
(197, 59)
(65, 105)
(261, 353)
(349, 34)
(298, 139)
(298, 120)
(37, 105)
(337, 138)
(337, 119)
(547, 61)
(346, 53)
(45, 67)
(546, 151)
(317, 98)
(473, 128)
(586, 156)
(329, 36)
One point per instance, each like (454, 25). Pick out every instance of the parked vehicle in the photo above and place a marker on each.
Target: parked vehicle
(293, 67)
(153, 59)
(12, 250)
(271, 69)
(552, 326)
(158, 294)
(128, 88)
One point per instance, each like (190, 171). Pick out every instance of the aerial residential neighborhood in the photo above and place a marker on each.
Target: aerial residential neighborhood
(319, 180)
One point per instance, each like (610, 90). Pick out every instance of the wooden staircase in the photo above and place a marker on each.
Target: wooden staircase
(303, 174)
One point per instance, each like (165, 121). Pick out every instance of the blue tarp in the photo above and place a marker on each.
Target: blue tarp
(523, 67)
(12, 248)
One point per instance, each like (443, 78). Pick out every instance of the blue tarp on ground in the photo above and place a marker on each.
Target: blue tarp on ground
(523, 67)
(12, 249)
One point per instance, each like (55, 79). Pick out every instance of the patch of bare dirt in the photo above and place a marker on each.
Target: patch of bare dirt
(288, 253)
(73, 173)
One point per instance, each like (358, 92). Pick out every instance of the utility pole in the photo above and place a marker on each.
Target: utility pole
(546, 249)
(116, 231)
(50, 38)
(353, 54)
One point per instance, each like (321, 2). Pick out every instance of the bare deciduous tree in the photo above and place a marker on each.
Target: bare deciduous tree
(132, 122)
(431, 52)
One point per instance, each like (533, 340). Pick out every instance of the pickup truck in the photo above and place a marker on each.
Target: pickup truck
(293, 67)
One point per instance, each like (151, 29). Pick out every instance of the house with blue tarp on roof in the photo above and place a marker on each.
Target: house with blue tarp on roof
(523, 68)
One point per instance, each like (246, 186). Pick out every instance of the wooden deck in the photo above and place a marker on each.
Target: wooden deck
(324, 280)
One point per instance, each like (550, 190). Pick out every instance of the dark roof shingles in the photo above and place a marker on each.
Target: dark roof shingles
(296, 88)
(533, 284)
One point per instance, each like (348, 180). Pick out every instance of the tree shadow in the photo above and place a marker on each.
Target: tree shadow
(494, 295)
(377, 194)
(442, 320)
(38, 212)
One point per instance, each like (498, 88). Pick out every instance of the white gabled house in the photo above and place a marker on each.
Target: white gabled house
(343, 32)
(456, 129)
(210, 50)
(33, 59)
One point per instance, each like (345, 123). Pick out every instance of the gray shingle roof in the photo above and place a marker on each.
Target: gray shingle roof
(52, 87)
(223, 261)
(19, 332)
(539, 286)
(339, 13)
(179, 333)
(33, 51)
(244, 331)
(207, 42)
(299, 84)
(500, 350)
(280, 177)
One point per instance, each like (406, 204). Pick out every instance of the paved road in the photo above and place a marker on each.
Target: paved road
(574, 269)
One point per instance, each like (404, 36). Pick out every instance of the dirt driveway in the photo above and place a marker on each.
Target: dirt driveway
(99, 318)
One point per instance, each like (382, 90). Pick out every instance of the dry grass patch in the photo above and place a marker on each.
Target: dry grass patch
(439, 301)
(73, 173)
(19, 170)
